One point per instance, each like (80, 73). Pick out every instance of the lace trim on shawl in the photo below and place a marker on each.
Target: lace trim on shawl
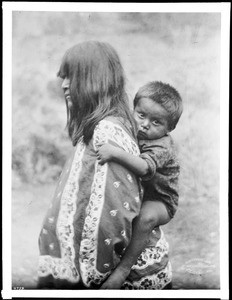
(105, 131)
(59, 268)
(64, 267)
(152, 282)
(152, 255)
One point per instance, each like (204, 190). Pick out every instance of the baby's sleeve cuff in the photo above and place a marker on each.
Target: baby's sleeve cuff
(151, 167)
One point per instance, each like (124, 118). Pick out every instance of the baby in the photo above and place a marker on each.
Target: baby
(157, 109)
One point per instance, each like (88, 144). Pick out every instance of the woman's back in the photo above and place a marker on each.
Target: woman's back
(92, 211)
(89, 223)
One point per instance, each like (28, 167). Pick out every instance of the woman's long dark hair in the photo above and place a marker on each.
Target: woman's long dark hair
(97, 88)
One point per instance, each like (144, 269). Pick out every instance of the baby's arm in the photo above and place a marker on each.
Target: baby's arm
(152, 214)
(135, 164)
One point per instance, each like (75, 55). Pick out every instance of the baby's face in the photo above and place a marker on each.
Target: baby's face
(151, 119)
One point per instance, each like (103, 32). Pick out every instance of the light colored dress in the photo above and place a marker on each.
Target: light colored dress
(89, 223)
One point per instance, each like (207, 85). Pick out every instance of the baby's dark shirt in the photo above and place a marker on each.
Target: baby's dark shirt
(161, 181)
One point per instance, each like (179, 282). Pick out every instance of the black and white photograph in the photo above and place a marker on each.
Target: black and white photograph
(115, 150)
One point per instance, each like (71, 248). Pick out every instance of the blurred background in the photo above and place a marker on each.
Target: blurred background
(182, 49)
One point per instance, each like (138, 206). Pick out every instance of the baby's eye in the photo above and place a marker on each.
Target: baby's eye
(155, 122)
(141, 116)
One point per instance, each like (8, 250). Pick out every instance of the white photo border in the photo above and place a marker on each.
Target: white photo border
(8, 8)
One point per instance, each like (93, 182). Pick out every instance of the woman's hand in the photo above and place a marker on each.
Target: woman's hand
(106, 153)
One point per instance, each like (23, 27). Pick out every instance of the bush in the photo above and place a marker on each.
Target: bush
(38, 160)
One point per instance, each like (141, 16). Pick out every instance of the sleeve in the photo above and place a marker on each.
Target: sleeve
(156, 156)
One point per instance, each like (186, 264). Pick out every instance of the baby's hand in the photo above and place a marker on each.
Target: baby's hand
(106, 153)
(115, 280)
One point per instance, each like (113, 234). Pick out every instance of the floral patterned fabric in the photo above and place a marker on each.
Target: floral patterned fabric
(153, 269)
(89, 222)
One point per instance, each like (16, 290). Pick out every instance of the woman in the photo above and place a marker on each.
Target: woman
(89, 224)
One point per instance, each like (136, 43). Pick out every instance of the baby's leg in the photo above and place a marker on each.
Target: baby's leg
(152, 214)
(156, 213)
(152, 270)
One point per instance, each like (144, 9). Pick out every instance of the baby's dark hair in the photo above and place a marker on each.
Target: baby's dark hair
(164, 94)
